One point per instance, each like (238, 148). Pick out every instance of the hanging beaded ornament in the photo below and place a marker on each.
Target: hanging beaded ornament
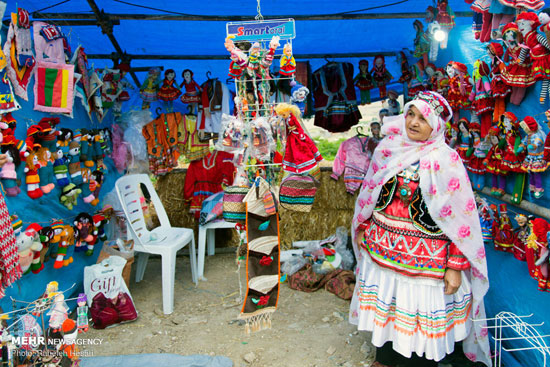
(405, 192)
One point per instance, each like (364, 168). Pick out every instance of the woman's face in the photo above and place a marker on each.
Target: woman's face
(375, 130)
(416, 125)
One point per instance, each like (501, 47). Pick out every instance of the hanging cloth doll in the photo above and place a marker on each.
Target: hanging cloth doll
(149, 88)
(301, 154)
(514, 153)
(169, 90)
(481, 7)
(546, 154)
(481, 97)
(534, 164)
(418, 81)
(446, 19)
(501, 15)
(192, 90)
(8, 173)
(406, 74)
(520, 239)
(421, 42)
(476, 154)
(459, 87)
(503, 235)
(517, 73)
(288, 64)
(493, 162)
(440, 82)
(464, 137)
(538, 241)
(499, 89)
(381, 75)
(363, 81)
(528, 23)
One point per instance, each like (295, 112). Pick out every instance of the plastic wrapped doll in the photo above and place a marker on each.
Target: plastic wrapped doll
(499, 89)
(503, 234)
(32, 178)
(417, 82)
(446, 19)
(301, 153)
(520, 239)
(58, 312)
(288, 64)
(534, 163)
(406, 74)
(82, 313)
(493, 162)
(8, 173)
(514, 153)
(169, 90)
(459, 87)
(476, 155)
(394, 107)
(192, 94)
(528, 23)
(538, 242)
(149, 88)
(421, 42)
(517, 73)
(363, 81)
(381, 75)
(501, 15)
(231, 134)
(464, 145)
(481, 97)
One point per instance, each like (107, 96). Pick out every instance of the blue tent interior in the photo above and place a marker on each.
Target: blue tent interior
(511, 287)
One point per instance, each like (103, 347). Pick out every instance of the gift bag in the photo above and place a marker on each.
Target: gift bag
(124, 249)
(297, 192)
(108, 296)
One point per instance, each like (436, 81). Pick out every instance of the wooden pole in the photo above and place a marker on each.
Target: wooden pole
(237, 18)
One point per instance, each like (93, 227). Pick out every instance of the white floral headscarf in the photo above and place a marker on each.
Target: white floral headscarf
(448, 194)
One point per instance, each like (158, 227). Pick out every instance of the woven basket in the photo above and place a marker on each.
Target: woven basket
(297, 192)
(234, 210)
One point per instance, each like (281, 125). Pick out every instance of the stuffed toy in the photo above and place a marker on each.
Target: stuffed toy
(45, 172)
(69, 195)
(97, 151)
(37, 265)
(106, 141)
(546, 154)
(521, 233)
(459, 88)
(394, 106)
(82, 313)
(149, 88)
(288, 64)
(475, 156)
(96, 180)
(169, 90)
(238, 59)
(32, 178)
(503, 235)
(363, 81)
(32, 140)
(417, 82)
(64, 138)
(381, 75)
(514, 153)
(16, 224)
(67, 238)
(48, 132)
(537, 43)
(87, 195)
(47, 236)
(86, 148)
(74, 163)
(537, 252)
(88, 233)
(60, 169)
(440, 82)
(110, 88)
(100, 220)
(481, 97)
(534, 163)
(8, 173)
(421, 43)
(499, 89)
(445, 17)
(27, 245)
(192, 95)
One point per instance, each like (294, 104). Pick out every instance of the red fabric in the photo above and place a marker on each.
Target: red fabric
(454, 97)
(540, 55)
(503, 235)
(10, 270)
(493, 161)
(516, 74)
(510, 160)
(301, 153)
(546, 156)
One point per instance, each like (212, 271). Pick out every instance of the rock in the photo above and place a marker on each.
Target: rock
(337, 316)
(366, 348)
(331, 350)
(158, 312)
(178, 320)
(197, 320)
(326, 319)
(347, 364)
(249, 357)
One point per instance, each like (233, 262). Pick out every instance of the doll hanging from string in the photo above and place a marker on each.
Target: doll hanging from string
(503, 233)
(406, 74)
(514, 153)
(381, 75)
(440, 82)
(499, 89)
(421, 43)
(363, 81)
(476, 154)
(493, 162)
(459, 87)
(149, 88)
(520, 239)
(288, 64)
(481, 96)
(463, 142)
(192, 94)
(534, 163)
(445, 17)
(169, 90)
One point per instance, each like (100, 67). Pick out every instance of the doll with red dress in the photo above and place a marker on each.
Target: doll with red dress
(481, 96)
(301, 153)
(476, 154)
(521, 234)
(418, 81)
(463, 142)
(169, 90)
(546, 154)
(446, 19)
(406, 74)
(363, 81)
(537, 43)
(192, 94)
(440, 82)
(514, 153)
(381, 75)
(537, 260)
(517, 73)
(503, 233)
(533, 163)
(459, 87)
(499, 89)
(493, 162)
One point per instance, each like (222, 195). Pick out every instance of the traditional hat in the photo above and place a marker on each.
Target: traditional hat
(460, 66)
(510, 27)
(496, 48)
(531, 123)
(503, 209)
(509, 115)
(474, 126)
(529, 16)
(494, 130)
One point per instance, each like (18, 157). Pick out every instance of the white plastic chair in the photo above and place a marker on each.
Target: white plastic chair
(164, 240)
(207, 236)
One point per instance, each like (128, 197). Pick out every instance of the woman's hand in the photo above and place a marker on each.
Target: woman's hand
(3, 159)
(453, 279)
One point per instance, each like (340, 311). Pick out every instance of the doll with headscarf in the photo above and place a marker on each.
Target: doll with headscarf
(463, 141)
(421, 43)
(417, 195)
(533, 163)
(149, 88)
(514, 153)
(363, 81)
(481, 96)
(405, 72)
(459, 87)
(169, 90)
(517, 73)
(499, 89)
(521, 233)
(493, 162)
(446, 19)
(503, 235)
(537, 43)
(476, 154)
(381, 75)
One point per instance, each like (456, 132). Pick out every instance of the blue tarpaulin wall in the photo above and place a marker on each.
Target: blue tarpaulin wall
(511, 287)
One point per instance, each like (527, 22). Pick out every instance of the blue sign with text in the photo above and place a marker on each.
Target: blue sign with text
(262, 30)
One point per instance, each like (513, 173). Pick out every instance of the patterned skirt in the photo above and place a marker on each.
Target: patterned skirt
(498, 87)
(475, 165)
(534, 164)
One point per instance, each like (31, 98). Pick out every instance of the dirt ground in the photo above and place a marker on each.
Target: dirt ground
(308, 329)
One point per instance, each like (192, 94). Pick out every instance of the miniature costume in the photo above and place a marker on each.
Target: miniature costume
(503, 235)
(513, 152)
(380, 75)
(521, 234)
(403, 252)
(421, 42)
(215, 97)
(301, 153)
(517, 73)
(161, 136)
(149, 88)
(459, 87)
(82, 323)
(169, 90)
(538, 242)
(363, 81)
(493, 162)
(288, 64)
(45, 172)
(192, 89)
(534, 163)
(476, 156)
(188, 139)
(418, 81)
(445, 15)
(440, 82)
(501, 15)
(499, 89)
(352, 159)
(481, 96)
(464, 145)
(8, 173)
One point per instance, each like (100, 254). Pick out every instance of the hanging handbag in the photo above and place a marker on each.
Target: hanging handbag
(234, 209)
(297, 192)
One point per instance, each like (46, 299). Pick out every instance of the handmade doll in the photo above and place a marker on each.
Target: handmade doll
(381, 75)
(192, 95)
(486, 218)
(394, 107)
(440, 82)
(445, 17)
(459, 87)
(533, 163)
(301, 154)
(499, 89)
(66, 239)
(433, 26)
(451, 135)
(500, 16)
(238, 59)
(476, 154)
(149, 88)
(82, 313)
(74, 163)
(48, 134)
(517, 73)
(169, 90)
(69, 195)
(8, 172)
(417, 82)
(421, 43)
(484, 23)
(538, 243)
(464, 144)
(60, 169)
(45, 172)
(58, 312)
(528, 23)
(363, 81)
(32, 178)
(493, 162)
(288, 64)
(520, 239)
(406, 74)
(88, 233)
(503, 235)
(546, 154)
(27, 246)
(64, 138)
(481, 97)
(97, 151)
(86, 148)
(514, 153)
(96, 180)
